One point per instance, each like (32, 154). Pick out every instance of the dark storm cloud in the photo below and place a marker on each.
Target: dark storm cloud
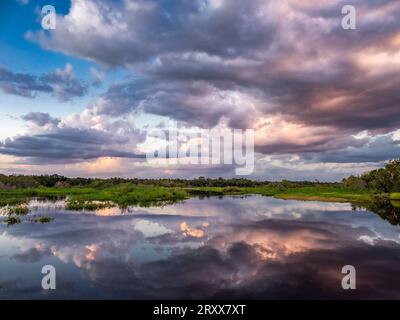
(61, 83)
(326, 142)
(141, 30)
(378, 149)
(64, 83)
(241, 61)
(65, 145)
(180, 101)
(21, 84)
(41, 119)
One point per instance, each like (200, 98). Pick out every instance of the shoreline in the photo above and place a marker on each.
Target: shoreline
(144, 195)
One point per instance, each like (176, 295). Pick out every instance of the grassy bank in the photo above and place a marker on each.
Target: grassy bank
(311, 193)
(395, 196)
(122, 195)
(126, 194)
(332, 194)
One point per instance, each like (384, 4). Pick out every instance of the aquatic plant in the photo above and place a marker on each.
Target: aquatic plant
(77, 205)
(19, 210)
(12, 220)
(42, 219)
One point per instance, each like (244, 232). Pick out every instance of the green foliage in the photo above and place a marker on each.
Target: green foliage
(17, 181)
(317, 192)
(354, 182)
(326, 193)
(60, 182)
(124, 195)
(385, 180)
(11, 201)
(92, 194)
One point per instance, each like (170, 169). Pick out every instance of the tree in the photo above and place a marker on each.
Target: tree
(386, 179)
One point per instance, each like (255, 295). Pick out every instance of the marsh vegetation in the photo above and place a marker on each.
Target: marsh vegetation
(376, 189)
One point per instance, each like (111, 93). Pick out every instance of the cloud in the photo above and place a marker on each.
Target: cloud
(41, 119)
(64, 83)
(128, 32)
(33, 254)
(254, 247)
(23, 2)
(98, 76)
(186, 102)
(377, 149)
(283, 68)
(234, 61)
(61, 83)
(68, 144)
(21, 84)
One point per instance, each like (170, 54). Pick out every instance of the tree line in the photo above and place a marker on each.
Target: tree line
(25, 181)
(385, 180)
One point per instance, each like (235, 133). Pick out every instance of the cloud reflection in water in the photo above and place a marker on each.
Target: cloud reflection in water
(253, 247)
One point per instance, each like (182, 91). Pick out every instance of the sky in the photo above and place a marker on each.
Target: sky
(82, 99)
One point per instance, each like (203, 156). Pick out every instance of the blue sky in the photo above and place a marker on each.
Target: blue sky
(21, 55)
(323, 101)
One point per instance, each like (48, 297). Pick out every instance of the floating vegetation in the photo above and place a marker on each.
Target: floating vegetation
(19, 210)
(11, 220)
(78, 205)
(5, 200)
(42, 219)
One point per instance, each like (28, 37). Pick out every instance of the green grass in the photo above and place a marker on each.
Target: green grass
(316, 193)
(333, 194)
(122, 195)
(126, 194)
(215, 191)
(15, 197)
(11, 201)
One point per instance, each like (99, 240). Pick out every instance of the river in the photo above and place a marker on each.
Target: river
(250, 247)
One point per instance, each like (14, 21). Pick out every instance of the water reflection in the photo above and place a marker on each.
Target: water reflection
(385, 208)
(253, 247)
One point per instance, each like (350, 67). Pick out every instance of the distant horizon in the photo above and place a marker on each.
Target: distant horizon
(171, 178)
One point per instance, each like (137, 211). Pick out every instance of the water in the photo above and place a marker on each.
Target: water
(217, 248)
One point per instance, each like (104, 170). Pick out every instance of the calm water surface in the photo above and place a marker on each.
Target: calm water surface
(217, 248)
